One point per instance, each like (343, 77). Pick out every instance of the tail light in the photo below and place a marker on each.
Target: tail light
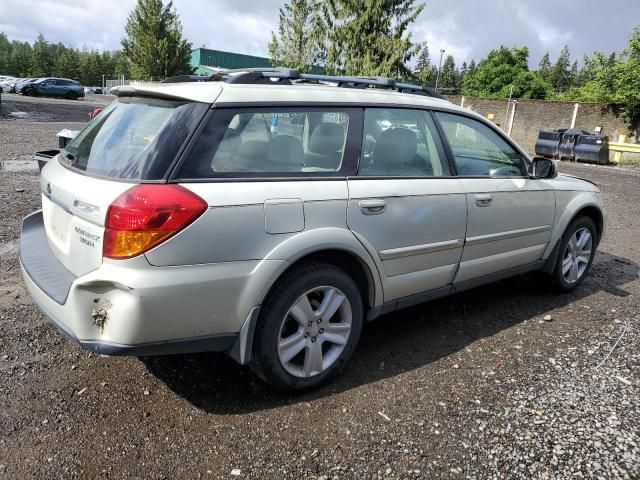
(147, 215)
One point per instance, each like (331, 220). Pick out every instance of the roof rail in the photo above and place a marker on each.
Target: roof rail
(287, 76)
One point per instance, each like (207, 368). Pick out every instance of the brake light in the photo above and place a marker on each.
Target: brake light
(147, 215)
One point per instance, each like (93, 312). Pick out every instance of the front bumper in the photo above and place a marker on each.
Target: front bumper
(129, 307)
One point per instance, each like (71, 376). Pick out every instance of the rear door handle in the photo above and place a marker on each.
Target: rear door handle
(483, 200)
(372, 207)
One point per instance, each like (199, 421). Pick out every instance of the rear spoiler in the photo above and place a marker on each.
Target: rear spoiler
(184, 91)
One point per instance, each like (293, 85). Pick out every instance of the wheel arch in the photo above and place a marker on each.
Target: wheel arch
(333, 246)
(595, 214)
(583, 204)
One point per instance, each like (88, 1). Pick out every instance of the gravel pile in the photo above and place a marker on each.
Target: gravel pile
(581, 421)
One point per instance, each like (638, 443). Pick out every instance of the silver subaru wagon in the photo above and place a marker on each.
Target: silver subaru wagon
(270, 214)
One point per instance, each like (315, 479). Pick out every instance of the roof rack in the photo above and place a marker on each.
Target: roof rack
(285, 75)
(288, 76)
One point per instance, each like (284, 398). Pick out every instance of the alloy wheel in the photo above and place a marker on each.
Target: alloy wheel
(315, 331)
(577, 255)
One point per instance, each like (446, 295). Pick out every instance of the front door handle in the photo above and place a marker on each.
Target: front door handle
(372, 207)
(483, 200)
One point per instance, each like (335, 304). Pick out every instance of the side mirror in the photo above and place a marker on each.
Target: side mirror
(543, 168)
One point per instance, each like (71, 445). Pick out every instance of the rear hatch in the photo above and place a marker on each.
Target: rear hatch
(134, 140)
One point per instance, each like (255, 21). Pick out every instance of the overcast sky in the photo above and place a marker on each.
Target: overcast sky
(465, 28)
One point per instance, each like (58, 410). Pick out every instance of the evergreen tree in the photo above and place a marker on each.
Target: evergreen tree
(20, 59)
(371, 38)
(573, 75)
(423, 66)
(154, 45)
(68, 64)
(472, 67)
(298, 42)
(40, 58)
(91, 68)
(560, 74)
(544, 68)
(122, 66)
(5, 53)
(448, 78)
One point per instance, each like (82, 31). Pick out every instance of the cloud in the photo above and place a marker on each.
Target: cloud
(471, 28)
(467, 29)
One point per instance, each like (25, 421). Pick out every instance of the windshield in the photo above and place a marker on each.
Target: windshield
(134, 138)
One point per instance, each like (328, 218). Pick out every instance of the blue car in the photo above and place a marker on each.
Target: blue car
(54, 87)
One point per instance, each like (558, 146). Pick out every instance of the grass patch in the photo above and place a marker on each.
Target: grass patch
(628, 159)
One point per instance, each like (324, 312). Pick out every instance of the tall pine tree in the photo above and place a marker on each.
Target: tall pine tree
(544, 68)
(561, 72)
(448, 82)
(40, 58)
(154, 45)
(371, 37)
(423, 66)
(299, 41)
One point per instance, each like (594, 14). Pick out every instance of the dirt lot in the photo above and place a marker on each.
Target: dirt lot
(478, 385)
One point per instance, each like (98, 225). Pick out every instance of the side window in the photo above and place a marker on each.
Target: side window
(268, 142)
(477, 149)
(401, 143)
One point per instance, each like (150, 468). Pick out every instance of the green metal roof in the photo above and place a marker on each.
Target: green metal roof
(218, 58)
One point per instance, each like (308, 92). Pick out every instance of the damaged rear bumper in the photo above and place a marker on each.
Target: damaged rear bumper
(210, 343)
(133, 308)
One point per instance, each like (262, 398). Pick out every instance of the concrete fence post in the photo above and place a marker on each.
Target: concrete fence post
(575, 115)
(462, 102)
(512, 117)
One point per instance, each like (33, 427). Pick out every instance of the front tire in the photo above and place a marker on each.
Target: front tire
(308, 329)
(577, 250)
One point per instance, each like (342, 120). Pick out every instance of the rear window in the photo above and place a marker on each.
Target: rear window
(269, 142)
(134, 138)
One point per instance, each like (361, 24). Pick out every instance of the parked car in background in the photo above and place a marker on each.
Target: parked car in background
(5, 82)
(179, 221)
(96, 90)
(54, 87)
(19, 86)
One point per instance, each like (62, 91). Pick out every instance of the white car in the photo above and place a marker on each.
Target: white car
(178, 220)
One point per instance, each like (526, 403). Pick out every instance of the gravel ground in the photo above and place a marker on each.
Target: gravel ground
(504, 381)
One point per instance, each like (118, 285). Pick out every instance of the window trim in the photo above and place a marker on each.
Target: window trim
(350, 158)
(524, 170)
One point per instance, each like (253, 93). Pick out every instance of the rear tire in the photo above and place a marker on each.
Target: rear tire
(72, 96)
(577, 250)
(308, 328)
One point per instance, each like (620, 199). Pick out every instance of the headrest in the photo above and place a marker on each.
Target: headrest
(285, 149)
(395, 146)
(252, 148)
(327, 138)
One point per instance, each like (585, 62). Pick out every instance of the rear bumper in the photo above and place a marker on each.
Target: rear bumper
(129, 307)
(211, 343)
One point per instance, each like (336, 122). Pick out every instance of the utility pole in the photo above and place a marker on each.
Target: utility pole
(439, 68)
